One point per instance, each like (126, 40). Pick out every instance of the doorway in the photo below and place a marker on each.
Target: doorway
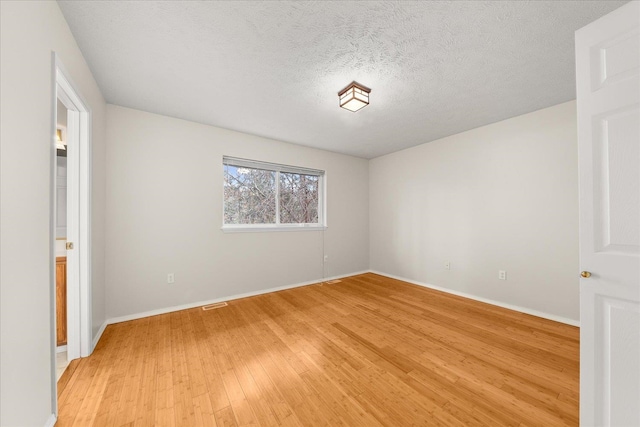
(62, 360)
(71, 224)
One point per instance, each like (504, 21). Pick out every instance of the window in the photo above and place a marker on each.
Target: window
(267, 196)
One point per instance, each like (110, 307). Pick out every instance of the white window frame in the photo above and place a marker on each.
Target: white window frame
(278, 226)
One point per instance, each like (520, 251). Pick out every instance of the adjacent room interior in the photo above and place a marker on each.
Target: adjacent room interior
(316, 213)
(61, 239)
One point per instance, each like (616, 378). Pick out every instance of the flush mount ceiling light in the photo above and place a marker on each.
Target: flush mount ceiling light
(354, 97)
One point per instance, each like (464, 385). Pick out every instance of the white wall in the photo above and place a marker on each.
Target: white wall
(30, 31)
(164, 215)
(500, 197)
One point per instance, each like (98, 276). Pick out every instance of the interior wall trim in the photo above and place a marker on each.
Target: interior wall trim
(96, 338)
(51, 421)
(171, 309)
(216, 300)
(525, 310)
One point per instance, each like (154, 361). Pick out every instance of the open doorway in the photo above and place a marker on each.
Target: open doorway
(62, 361)
(71, 225)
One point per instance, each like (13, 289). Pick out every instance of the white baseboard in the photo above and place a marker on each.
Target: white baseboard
(213, 301)
(94, 343)
(486, 300)
(51, 421)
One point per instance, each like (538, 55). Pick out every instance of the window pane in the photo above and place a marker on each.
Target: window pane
(298, 198)
(249, 196)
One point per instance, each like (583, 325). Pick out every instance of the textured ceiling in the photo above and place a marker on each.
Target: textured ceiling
(273, 69)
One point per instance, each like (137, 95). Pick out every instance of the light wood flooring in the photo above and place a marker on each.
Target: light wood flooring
(367, 351)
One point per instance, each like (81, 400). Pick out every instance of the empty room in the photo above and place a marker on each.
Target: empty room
(320, 213)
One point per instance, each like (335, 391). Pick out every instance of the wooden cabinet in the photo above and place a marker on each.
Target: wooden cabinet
(61, 300)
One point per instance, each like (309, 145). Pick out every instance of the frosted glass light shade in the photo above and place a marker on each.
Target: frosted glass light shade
(354, 97)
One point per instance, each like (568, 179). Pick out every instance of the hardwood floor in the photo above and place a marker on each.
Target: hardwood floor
(367, 351)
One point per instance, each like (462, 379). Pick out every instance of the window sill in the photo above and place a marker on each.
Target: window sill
(271, 228)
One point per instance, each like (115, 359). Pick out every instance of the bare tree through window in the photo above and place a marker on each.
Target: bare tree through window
(265, 193)
(249, 196)
(298, 198)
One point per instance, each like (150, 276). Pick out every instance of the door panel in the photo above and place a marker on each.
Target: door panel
(620, 368)
(616, 154)
(615, 59)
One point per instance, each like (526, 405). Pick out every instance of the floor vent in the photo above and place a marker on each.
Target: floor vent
(331, 282)
(214, 306)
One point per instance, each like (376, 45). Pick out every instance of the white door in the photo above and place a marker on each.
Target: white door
(608, 92)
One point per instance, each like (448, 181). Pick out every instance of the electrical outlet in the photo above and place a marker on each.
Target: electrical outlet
(502, 275)
(171, 278)
(447, 265)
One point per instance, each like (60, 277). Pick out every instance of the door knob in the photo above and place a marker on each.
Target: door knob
(585, 274)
